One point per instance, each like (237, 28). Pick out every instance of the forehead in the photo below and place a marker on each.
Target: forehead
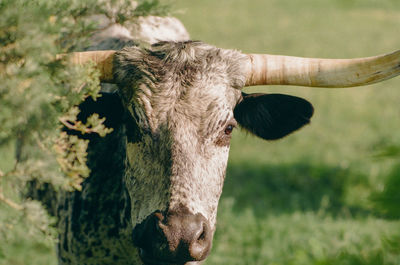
(192, 75)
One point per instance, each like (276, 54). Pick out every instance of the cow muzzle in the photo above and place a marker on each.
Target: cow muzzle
(175, 237)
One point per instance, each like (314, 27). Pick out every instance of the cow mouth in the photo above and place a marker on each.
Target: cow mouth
(149, 260)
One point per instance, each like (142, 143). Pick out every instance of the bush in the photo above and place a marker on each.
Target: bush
(38, 96)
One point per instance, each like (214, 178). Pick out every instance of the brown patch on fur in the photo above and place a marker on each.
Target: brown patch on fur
(224, 140)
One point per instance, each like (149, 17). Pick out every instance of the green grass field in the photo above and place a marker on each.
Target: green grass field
(304, 199)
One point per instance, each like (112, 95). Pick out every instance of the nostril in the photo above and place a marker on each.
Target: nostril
(202, 236)
(146, 234)
(159, 226)
(201, 244)
(159, 216)
(202, 233)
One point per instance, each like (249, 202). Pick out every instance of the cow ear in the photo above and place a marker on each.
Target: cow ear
(272, 116)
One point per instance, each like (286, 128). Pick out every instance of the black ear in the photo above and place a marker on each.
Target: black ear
(272, 116)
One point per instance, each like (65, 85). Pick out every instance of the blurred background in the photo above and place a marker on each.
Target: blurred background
(308, 198)
(327, 194)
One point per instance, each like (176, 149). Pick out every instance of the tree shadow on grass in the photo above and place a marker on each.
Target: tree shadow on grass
(272, 189)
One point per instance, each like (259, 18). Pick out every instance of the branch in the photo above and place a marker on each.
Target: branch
(74, 127)
(10, 203)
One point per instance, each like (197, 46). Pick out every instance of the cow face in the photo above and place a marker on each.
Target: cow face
(184, 100)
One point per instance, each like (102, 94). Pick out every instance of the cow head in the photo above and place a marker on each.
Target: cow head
(184, 99)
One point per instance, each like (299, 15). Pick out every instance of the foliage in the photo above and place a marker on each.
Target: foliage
(38, 96)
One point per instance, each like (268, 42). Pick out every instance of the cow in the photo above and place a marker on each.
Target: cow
(156, 180)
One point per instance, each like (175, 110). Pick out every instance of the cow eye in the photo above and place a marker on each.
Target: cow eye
(229, 129)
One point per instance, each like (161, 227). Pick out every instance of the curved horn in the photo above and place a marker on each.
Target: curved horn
(285, 70)
(102, 59)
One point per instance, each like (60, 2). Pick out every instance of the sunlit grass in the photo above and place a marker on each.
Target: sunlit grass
(298, 238)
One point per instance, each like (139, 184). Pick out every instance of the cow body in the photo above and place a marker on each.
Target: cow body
(167, 152)
(94, 224)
